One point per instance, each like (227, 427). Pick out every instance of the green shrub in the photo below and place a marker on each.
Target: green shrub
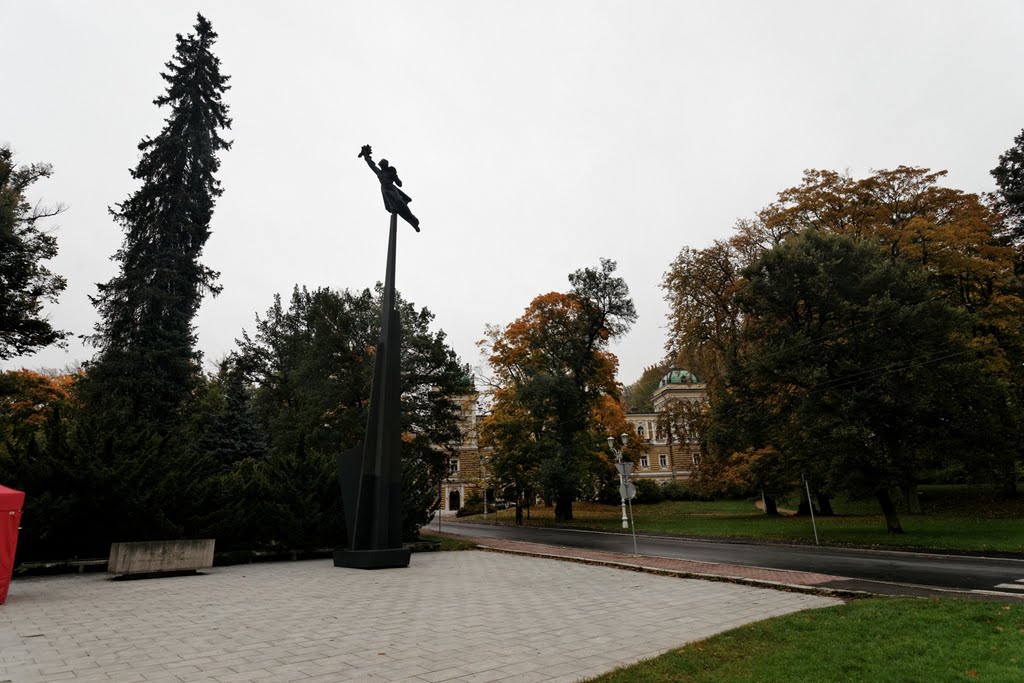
(679, 490)
(648, 491)
(470, 508)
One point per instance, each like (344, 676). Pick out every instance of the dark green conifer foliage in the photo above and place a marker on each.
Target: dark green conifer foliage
(1009, 176)
(229, 432)
(311, 365)
(147, 363)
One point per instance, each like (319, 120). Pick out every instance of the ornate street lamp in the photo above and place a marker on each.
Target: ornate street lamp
(623, 477)
(626, 489)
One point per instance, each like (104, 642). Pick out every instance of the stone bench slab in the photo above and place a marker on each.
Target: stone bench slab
(158, 557)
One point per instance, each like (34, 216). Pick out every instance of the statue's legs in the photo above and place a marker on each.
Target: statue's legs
(407, 216)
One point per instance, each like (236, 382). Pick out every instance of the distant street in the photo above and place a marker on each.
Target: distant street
(889, 572)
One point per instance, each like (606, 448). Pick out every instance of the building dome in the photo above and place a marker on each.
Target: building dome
(679, 376)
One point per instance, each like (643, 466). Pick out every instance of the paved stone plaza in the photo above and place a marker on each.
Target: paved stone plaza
(454, 616)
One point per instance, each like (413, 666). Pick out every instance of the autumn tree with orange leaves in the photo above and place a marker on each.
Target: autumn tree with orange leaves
(37, 417)
(28, 401)
(953, 237)
(553, 374)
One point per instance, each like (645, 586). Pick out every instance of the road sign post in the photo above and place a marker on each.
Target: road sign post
(810, 504)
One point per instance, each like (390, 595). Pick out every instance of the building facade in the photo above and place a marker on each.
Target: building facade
(467, 469)
(672, 445)
(672, 448)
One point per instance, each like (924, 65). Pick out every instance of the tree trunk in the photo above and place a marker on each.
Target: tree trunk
(563, 509)
(911, 498)
(771, 506)
(825, 505)
(1008, 489)
(804, 508)
(892, 521)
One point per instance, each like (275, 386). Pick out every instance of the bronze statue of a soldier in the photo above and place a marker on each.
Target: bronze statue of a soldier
(395, 201)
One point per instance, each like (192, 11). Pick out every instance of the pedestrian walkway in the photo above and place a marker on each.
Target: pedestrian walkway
(466, 616)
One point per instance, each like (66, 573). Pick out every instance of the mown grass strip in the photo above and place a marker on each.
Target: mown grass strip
(970, 526)
(874, 640)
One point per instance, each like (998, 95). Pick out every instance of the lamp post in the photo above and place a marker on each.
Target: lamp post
(483, 476)
(622, 478)
(626, 489)
(443, 491)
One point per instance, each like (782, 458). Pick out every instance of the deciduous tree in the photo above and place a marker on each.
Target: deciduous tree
(847, 364)
(552, 367)
(26, 284)
(904, 213)
(36, 424)
(639, 394)
(700, 288)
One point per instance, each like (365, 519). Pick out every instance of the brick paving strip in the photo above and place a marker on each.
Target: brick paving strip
(754, 576)
(470, 617)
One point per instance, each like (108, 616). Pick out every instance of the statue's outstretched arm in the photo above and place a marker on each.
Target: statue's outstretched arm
(366, 153)
(373, 166)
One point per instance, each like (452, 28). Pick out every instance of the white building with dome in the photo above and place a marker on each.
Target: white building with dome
(669, 454)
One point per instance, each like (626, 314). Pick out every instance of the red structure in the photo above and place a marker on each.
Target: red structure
(11, 502)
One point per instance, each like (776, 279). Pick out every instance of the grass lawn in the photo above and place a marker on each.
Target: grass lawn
(956, 518)
(903, 640)
(448, 543)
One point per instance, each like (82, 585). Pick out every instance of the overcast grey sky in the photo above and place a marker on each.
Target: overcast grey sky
(534, 137)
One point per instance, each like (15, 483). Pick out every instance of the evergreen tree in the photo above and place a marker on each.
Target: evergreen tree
(1009, 176)
(24, 283)
(147, 362)
(311, 365)
(229, 432)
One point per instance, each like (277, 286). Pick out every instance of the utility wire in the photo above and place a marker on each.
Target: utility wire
(856, 378)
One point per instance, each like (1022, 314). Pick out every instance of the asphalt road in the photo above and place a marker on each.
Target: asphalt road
(889, 571)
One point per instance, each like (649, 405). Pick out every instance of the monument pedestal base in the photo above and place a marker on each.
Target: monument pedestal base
(385, 558)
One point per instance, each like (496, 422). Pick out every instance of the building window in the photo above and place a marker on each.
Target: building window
(663, 461)
(644, 462)
(696, 459)
(453, 466)
(640, 432)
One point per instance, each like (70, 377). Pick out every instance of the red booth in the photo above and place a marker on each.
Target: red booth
(11, 502)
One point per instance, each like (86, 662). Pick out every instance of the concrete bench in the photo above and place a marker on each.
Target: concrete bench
(160, 557)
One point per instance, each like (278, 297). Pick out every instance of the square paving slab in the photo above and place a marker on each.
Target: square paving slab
(450, 616)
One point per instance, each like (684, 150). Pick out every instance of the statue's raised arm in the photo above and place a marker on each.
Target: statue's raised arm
(367, 153)
(395, 201)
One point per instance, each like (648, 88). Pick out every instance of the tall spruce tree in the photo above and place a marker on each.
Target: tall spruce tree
(147, 361)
